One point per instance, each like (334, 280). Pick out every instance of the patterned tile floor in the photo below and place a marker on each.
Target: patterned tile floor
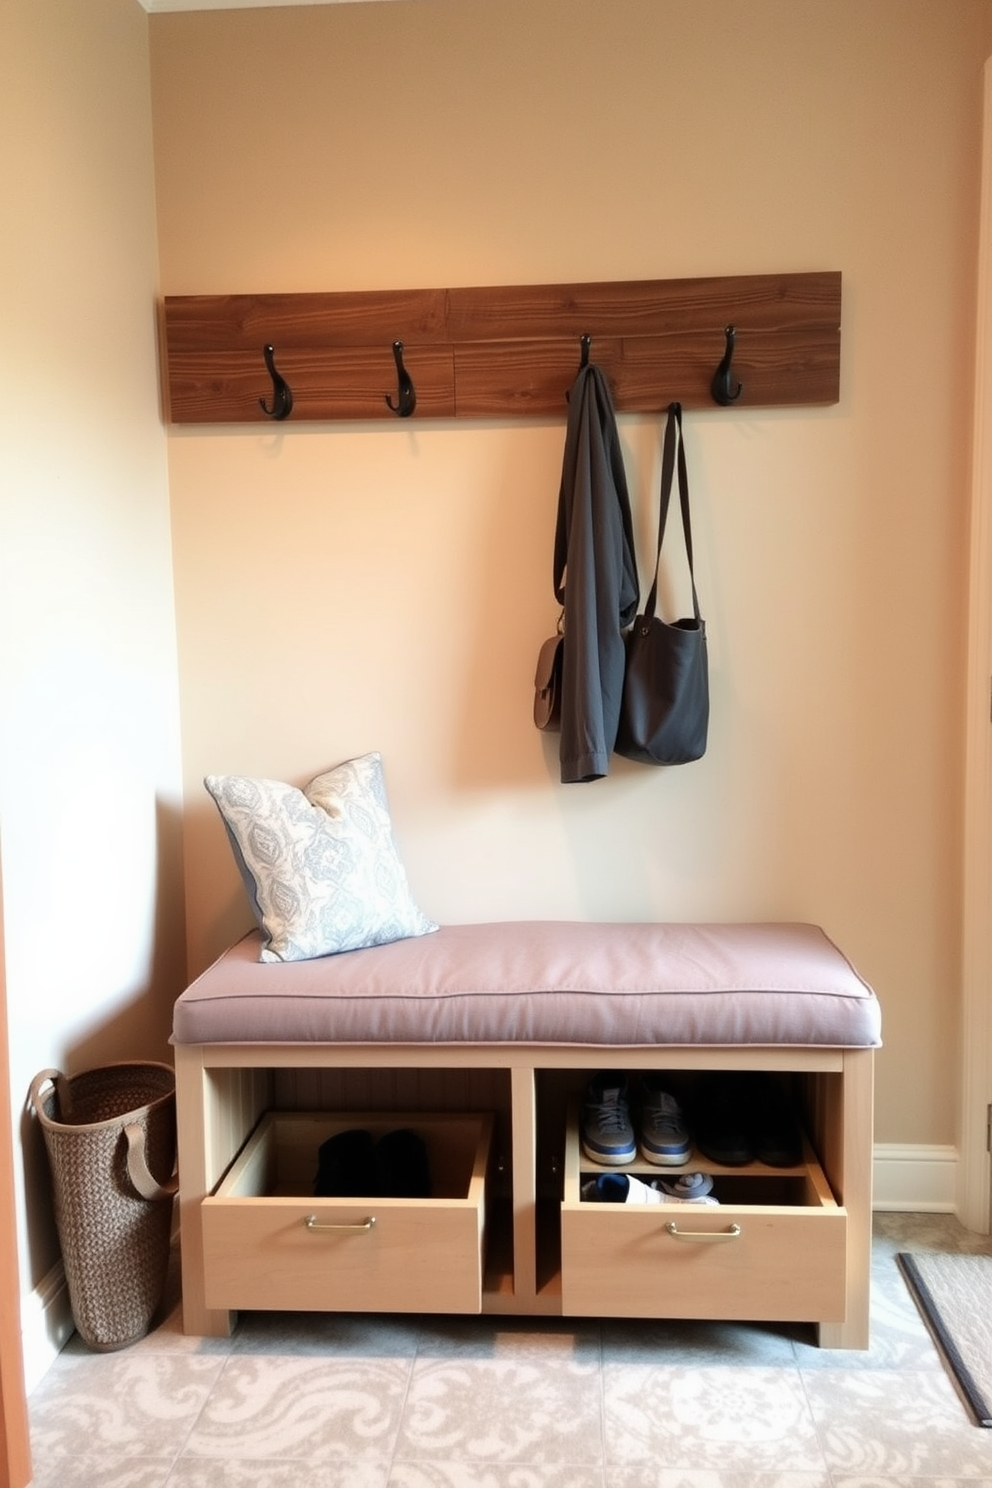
(353, 1402)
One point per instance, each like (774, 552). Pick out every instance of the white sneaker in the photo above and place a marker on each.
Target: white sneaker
(624, 1188)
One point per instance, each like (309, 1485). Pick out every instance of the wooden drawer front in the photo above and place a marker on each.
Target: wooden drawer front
(785, 1264)
(269, 1245)
(774, 1248)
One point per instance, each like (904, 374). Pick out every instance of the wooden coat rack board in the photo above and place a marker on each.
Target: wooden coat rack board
(496, 352)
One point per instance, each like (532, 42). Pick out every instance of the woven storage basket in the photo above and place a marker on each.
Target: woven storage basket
(110, 1134)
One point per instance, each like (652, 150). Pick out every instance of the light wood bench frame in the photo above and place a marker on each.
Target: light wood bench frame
(223, 1089)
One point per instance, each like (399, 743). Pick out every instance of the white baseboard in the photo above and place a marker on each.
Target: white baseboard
(915, 1180)
(46, 1325)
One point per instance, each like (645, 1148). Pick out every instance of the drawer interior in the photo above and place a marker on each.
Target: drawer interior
(280, 1158)
(801, 1186)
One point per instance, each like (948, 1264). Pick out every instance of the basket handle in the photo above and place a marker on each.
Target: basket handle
(50, 1077)
(138, 1170)
(137, 1164)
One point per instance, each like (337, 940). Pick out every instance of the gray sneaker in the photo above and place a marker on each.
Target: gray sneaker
(664, 1135)
(607, 1130)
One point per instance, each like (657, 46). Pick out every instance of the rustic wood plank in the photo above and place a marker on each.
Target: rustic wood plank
(350, 383)
(502, 379)
(644, 307)
(511, 351)
(197, 323)
(775, 370)
(646, 373)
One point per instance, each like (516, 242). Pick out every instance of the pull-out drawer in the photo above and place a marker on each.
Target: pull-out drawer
(773, 1249)
(269, 1244)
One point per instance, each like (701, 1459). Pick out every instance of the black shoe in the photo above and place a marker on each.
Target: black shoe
(775, 1129)
(721, 1127)
(346, 1166)
(401, 1166)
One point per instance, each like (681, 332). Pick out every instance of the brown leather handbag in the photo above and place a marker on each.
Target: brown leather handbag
(547, 683)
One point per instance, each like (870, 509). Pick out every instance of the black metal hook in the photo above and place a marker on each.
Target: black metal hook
(282, 397)
(406, 393)
(585, 343)
(721, 387)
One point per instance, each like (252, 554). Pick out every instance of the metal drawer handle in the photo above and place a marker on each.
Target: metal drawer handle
(706, 1237)
(312, 1223)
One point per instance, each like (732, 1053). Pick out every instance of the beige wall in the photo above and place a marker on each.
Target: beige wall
(89, 740)
(344, 588)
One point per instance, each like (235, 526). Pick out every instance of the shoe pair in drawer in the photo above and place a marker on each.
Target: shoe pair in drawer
(737, 1117)
(607, 1128)
(357, 1164)
(626, 1188)
(744, 1116)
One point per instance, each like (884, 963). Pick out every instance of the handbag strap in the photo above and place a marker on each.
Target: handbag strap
(672, 454)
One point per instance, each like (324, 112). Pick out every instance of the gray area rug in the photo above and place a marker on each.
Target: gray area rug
(954, 1295)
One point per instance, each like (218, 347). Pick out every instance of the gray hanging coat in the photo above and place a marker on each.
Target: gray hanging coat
(595, 575)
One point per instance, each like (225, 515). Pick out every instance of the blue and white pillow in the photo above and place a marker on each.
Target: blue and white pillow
(319, 864)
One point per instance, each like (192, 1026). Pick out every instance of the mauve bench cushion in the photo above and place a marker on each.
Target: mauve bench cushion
(544, 982)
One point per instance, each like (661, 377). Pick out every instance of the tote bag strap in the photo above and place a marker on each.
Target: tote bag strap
(672, 454)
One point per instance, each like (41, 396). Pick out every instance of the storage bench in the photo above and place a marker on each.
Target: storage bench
(492, 1032)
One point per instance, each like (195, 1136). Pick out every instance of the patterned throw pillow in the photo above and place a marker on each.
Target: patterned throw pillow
(319, 864)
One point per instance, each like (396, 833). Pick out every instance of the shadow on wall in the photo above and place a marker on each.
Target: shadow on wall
(138, 1029)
